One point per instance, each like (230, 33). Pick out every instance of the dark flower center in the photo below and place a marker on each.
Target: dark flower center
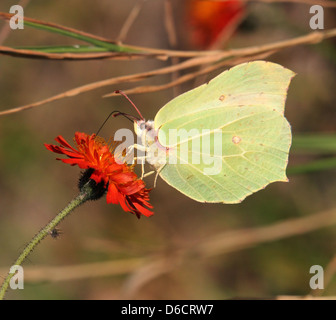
(97, 189)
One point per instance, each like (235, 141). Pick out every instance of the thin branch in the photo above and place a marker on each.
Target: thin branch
(130, 20)
(190, 76)
(8, 16)
(169, 24)
(242, 239)
(310, 38)
(172, 39)
(108, 82)
(82, 271)
(208, 57)
(34, 54)
(102, 42)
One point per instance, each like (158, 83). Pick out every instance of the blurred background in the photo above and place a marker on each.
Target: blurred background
(261, 248)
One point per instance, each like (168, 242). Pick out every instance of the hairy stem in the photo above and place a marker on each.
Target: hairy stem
(81, 198)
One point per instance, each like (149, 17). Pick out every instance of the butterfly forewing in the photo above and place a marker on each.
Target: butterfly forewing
(229, 137)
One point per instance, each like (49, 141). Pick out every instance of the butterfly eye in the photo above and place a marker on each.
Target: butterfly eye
(148, 127)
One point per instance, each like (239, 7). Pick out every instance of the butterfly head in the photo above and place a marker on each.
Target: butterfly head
(145, 131)
(142, 127)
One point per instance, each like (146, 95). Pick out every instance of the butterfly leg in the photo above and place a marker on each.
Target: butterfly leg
(149, 174)
(157, 173)
(130, 152)
(142, 158)
(142, 165)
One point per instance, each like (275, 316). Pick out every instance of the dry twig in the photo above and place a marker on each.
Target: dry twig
(201, 58)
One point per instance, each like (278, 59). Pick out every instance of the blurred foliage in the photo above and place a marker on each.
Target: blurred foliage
(33, 186)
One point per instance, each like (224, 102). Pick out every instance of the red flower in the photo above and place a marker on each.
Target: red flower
(122, 184)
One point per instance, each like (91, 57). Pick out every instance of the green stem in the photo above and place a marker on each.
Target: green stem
(84, 195)
(96, 42)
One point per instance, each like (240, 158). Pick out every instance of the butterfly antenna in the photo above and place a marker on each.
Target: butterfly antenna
(134, 106)
(116, 113)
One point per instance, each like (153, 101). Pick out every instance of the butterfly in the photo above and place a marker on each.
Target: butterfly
(225, 139)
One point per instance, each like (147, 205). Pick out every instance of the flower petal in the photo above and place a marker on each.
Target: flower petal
(143, 210)
(112, 194)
